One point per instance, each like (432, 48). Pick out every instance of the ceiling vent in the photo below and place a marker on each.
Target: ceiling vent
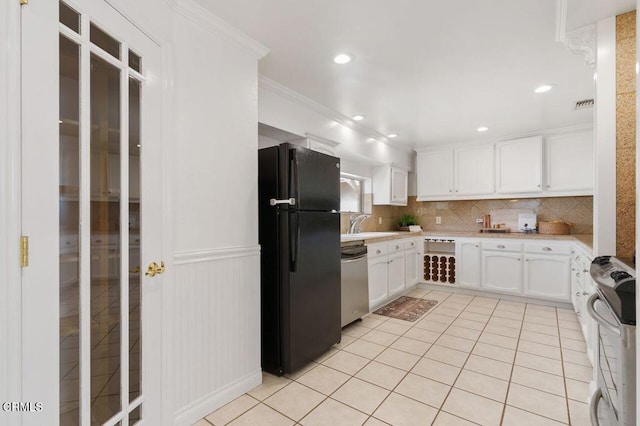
(587, 103)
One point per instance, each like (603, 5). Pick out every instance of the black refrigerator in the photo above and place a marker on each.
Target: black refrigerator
(299, 232)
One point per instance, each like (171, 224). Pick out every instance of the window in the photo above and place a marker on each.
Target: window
(351, 190)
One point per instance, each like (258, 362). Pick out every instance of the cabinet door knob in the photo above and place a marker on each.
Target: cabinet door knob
(397, 247)
(378, 252)
(500, 246)
(546, 249)
(539, 186)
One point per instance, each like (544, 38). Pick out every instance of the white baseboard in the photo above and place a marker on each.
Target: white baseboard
(214, 400)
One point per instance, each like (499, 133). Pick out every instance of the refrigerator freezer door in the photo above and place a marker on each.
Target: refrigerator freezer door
(313, 179)
(311, 295)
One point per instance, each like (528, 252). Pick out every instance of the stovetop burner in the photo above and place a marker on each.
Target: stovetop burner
(616, 281)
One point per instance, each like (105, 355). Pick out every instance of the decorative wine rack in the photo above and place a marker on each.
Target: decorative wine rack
(439, 261)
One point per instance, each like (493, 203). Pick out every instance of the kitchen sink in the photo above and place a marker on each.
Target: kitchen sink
(366, 235)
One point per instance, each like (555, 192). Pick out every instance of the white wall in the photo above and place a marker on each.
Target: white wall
(284, 109)
(604, 209)
(213, 319)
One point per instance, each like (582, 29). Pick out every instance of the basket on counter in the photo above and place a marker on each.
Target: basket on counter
(554, 228)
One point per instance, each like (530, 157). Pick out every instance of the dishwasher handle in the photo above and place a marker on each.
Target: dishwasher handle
(353, 259)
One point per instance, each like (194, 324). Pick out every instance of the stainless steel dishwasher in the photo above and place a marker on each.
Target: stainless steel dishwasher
(355, 283)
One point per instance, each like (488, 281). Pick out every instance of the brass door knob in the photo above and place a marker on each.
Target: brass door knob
(155, 269)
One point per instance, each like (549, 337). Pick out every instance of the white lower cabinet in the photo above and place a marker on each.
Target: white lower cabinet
(502, 271)
(378, 281)
(394, 267)
(582, 287)
(468, 263)
(396, 274)
(413, 261)
(547, 276)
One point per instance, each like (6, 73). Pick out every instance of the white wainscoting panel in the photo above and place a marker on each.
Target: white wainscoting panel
(212, 319)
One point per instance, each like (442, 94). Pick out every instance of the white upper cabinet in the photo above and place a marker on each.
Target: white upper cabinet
(519, 165)
(474, 170)
(569, 160)
(435, 174)
(390, 185)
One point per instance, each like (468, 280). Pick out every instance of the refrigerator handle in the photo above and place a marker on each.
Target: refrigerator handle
(294, 241)
(294, 183)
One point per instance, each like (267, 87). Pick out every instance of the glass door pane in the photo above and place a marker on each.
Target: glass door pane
(105, 240)
(135, 344)
(69, 154)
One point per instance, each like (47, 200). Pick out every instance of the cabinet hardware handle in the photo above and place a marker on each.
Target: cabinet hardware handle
(546, 248)
(500, 246)
(378, 252)
(578, 274)
(539, 186)
(578, 313)
(578, 294)
(548, 186)
(477, 245)
(449, 190)
(397, 247)
(585, 270)
(584, 293)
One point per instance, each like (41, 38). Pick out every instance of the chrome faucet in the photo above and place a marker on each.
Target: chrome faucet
(355, 222)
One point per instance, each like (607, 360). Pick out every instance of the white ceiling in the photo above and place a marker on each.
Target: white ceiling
(431, 71)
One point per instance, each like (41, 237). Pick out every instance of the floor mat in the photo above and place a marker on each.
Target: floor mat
(406, 308)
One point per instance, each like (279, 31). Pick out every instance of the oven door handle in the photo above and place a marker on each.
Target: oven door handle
(598, 318)
(593, 407)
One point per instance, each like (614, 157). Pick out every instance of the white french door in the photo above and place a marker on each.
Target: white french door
(93, 211)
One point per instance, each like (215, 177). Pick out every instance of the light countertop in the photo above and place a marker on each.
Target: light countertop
(585, 239)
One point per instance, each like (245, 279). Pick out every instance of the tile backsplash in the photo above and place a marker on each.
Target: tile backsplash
(461, 215)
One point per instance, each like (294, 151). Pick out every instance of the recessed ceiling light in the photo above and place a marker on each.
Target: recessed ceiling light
(543, 88)
(392, 135)
(342, 58)
(358, 117)
(483, 128)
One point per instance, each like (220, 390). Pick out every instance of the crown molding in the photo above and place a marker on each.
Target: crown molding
(279, 89)
(582, 41)
(208, 21)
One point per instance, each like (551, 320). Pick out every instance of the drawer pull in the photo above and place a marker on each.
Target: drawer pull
(397, 247)
(500, 246)
(546, 249)
(378, 252)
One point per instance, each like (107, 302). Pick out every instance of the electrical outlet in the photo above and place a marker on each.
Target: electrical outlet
(438, 220)
(379, 221)
(479, 220)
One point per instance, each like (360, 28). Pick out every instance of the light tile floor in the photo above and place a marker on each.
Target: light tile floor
(470, 360)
